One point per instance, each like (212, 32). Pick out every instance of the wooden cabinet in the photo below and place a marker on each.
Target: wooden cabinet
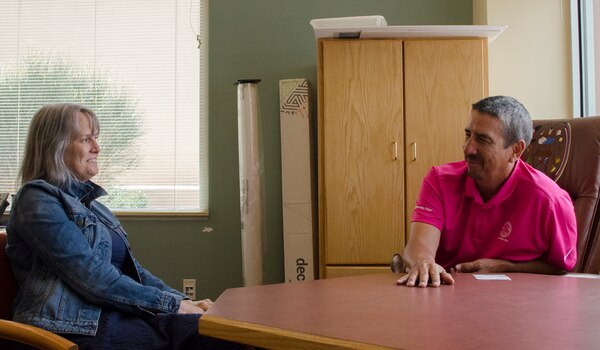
(389, 109)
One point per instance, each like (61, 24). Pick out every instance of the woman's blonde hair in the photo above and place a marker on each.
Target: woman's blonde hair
(52, 129)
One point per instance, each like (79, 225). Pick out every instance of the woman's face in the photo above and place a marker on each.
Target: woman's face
(81, 154)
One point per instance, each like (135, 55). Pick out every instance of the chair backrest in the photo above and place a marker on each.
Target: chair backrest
(568, 151)
(7, 279)
(9, 287)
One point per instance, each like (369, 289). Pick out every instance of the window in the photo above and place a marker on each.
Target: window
(140, 66)
(585, 29)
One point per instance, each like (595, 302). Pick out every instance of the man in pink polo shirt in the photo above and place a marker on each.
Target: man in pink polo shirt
(491, 212)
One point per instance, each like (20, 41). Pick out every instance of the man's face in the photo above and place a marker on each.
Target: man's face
(488, 161)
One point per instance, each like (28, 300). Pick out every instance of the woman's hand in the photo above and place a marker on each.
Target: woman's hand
(204, 304)
(194, 307)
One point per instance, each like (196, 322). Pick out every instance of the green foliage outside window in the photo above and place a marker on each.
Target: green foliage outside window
(43, 78)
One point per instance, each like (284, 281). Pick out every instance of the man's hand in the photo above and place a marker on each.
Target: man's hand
(419, 258)
(426, 272)
(499, 265)
(483, 266)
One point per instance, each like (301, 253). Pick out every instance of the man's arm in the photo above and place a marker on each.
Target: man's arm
(498, 265)
(419, 258)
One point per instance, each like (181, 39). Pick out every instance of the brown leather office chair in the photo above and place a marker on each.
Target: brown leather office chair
(568, 151)
(18, 332)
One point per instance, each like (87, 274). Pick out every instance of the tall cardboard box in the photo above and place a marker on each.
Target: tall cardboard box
(297, 180)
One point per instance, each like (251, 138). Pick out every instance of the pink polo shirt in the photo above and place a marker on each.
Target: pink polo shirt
(531, 217)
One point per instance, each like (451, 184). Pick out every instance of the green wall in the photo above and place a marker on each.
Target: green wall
(269, 40)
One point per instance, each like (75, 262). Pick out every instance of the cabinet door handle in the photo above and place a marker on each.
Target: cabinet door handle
(414, 149)
(395, 150)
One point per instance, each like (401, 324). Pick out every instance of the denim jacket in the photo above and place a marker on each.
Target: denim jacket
(60, 247)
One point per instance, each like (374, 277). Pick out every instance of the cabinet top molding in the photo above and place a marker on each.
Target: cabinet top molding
(346, 28)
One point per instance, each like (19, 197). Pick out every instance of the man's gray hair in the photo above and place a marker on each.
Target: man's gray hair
(52, 129)
(515, 119)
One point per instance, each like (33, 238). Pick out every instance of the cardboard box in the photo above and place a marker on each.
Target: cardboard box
(299, 228)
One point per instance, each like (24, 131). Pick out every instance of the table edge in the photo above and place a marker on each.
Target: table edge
(272, 337)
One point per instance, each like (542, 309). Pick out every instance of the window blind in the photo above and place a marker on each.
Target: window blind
(138, 64)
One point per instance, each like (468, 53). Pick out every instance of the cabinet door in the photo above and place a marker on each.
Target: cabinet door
(361, 136)
(346, 270)
(443, 78)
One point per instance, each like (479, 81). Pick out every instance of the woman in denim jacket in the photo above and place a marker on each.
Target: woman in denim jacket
(76, 273)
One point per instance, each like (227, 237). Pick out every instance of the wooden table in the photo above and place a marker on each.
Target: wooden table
(371, 312)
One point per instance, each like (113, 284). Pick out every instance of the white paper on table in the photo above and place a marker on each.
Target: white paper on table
(488, 277)
(582, 275)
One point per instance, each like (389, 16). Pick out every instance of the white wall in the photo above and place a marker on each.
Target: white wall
(531, 59)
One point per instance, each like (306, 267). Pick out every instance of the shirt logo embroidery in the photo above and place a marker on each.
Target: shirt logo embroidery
(505, 232)
(423, 208)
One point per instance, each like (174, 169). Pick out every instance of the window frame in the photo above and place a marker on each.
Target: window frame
(201, 31)
(583, 58)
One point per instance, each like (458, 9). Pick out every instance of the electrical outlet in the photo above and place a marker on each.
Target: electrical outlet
(189, 288)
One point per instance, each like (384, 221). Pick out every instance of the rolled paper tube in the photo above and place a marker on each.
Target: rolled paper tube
(251, 202)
